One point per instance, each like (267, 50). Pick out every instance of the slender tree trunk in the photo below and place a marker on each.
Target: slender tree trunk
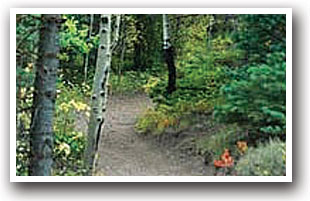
(123, 36)
(99, 94)
(169, 58)
(41, 131)
(209, 30)
(139, 63)
(121, 64)
(87, 54)
(19, 66)
(116, 32)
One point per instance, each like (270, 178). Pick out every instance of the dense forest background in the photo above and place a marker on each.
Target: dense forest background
(225, 74)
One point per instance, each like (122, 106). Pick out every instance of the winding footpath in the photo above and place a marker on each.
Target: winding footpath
(123, 152)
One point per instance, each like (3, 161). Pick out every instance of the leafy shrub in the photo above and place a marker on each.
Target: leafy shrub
(129, 81)
(259, 35)
(257, 99)
(75, 44)
(69, 143)
(200, 74)
(223, 52)
(24, 95)
(22, 157)
(156, 121)
(213, 144)
(198, 84)
(265, 160)
(69, 153)
(177, 117)
(72, 37)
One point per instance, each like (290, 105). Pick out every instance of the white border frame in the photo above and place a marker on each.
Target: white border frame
(287, 178)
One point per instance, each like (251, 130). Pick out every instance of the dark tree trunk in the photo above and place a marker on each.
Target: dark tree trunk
(169, 58)
(41, 131)
(139, 60)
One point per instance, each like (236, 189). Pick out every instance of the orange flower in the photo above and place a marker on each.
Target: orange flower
(166, 122)
(225, 155)
(218, 163)
(227, 160)
(242, 146)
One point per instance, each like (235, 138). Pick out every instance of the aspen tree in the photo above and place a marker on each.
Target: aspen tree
(99, 87)
(41, 131)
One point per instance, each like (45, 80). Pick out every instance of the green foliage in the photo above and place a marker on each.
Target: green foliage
(25, 76)
(197, 79)
(163, 117)
(76, 44)
(259, 35)
(188, 32)
(22, 157)
(72, 38)
(258, 99)
(175, 118)
(223, 52)
(69, 142)
(27, 34)
(128, 82)
(69, 153)
(213, 143)
(211, 71)
(265, 160)
(202, 69)
(24, 95)
(139, 48)
(155, 122)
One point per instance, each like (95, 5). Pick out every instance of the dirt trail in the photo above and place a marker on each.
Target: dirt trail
(122, 152)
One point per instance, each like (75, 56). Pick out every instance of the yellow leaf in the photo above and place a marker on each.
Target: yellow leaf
(64, 147)
(242, 146)
(78, 135)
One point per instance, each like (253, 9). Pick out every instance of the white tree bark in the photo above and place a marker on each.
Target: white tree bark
(100, 85)
(99, 94)
(166, 36)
